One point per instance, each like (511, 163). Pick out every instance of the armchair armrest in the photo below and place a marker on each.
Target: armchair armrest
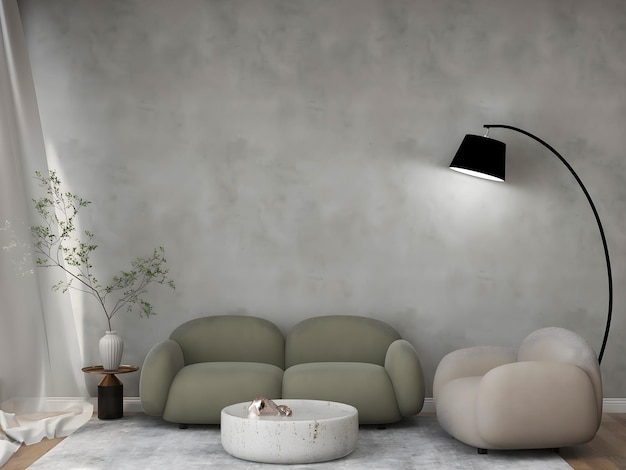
(536, 404)
(470, 362)
(407, 377)
(161, 365)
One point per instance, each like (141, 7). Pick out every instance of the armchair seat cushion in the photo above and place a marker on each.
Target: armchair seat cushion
(513, 402)
(365, 386)
(199, 391)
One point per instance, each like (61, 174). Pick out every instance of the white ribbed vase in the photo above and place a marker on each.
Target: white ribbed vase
(111, 349)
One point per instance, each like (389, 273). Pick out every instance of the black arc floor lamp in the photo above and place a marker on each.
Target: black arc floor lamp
(484, 157)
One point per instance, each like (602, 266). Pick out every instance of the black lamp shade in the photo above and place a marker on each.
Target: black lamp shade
(481, 156)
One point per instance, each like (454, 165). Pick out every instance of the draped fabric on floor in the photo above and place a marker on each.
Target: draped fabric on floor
(40, 359)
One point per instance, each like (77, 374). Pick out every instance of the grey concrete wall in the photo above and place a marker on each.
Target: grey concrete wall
(291, 156)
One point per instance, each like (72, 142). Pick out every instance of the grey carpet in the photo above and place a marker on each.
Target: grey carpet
(140, 442)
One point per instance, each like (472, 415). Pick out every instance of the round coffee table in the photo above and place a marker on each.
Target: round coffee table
(317, 431)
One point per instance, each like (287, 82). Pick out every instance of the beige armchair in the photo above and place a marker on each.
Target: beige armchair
(547, 394)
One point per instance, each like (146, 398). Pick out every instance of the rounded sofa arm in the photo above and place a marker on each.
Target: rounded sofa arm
(512, 399)
(161, 365)
(407, 376)
(470, 362)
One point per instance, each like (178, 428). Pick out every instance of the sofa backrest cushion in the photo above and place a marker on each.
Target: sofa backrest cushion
(339, 338)
(231, 338)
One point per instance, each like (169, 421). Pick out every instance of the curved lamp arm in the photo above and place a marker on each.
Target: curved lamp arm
(595, 213)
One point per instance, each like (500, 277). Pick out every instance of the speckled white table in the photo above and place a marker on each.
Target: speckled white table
(317, 431)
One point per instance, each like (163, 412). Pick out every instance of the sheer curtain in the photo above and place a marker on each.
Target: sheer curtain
(42, 389)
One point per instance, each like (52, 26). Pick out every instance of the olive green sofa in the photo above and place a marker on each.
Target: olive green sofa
(212, 362)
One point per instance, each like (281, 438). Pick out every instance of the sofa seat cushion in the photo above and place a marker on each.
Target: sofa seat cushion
(200, 391)
(367, 387)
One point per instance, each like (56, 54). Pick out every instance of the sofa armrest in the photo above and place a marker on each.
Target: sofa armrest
(161, 365)
(536, 404)
(470, 362)
(407, 377)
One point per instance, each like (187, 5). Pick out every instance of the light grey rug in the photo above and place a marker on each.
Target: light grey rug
(140, 442)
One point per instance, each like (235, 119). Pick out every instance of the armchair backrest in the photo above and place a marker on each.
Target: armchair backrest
(231, 338)
(339, 338)
(562, 345)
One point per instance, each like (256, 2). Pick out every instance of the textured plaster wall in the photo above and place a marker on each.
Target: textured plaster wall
(291, 156)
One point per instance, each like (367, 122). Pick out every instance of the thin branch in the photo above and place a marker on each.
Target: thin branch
(60, 247)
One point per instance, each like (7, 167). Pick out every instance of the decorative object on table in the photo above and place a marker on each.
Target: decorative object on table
(110, 390)
(58, 244)
(545, 394)
(111, 347)
(262, 406)
(485, 157)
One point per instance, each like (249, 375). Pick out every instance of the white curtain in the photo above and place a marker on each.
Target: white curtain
(41, 382)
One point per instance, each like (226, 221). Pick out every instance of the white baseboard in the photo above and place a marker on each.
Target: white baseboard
(130, 404)
(609, 405)
(133, 404)
(429, 406)
(614, 405)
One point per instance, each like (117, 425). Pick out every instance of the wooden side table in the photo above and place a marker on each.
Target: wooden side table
(110, 390)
